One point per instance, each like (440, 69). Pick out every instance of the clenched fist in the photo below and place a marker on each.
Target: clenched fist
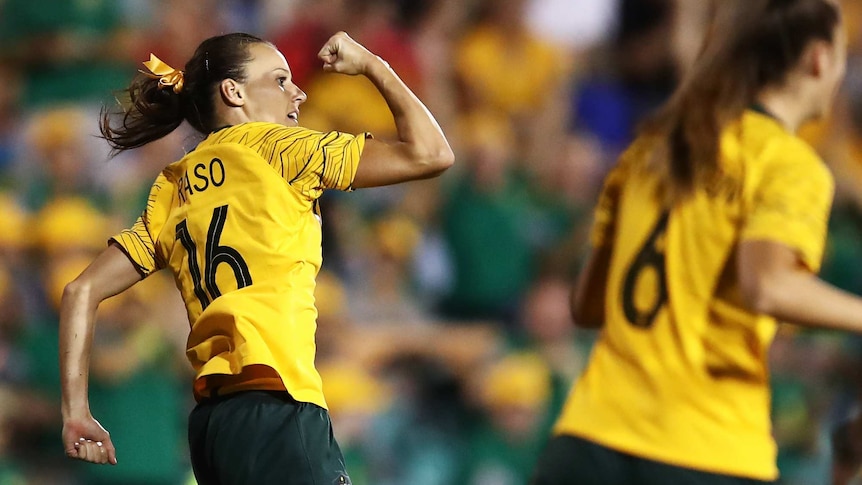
(85, 439)
(344, 55)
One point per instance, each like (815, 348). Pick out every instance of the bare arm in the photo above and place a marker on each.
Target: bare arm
(588, 296)
(421, 151)
(774, 282)
(109, 274)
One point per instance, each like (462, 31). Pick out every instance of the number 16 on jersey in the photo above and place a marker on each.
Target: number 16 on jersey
(205, 286)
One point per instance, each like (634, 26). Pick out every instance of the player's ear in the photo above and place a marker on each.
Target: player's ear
(817, 58)
(232, 93)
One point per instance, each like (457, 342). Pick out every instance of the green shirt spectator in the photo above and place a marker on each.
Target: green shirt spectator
(67, 50)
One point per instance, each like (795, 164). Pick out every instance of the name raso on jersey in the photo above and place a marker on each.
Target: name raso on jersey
(200, 178)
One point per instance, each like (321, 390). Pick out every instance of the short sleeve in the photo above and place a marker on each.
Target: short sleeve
(138, 245)
(138, 242)
(791, 204)
(313, 161)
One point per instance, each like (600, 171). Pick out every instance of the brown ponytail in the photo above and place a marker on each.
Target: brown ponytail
(152, 111)
(753, 44)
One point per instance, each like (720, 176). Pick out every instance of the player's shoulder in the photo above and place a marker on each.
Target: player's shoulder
(641, 148)
(255, 127)
(765, 139)
(775, 154)
(162, 180)
(636, 158)
(254, 132)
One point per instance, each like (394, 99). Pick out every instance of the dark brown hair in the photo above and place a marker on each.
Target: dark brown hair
(752, 45)
(153, 111)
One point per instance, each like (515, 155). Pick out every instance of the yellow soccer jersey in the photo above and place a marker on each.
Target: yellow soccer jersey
(235, 222)
(679, 373)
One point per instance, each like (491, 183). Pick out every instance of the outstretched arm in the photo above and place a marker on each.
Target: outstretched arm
(775, 282)
(422, 150)
(109, 274)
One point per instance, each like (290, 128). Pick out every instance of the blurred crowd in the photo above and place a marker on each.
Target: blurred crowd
(444, 337)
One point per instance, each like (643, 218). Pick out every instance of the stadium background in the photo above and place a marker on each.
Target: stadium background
(444, 336)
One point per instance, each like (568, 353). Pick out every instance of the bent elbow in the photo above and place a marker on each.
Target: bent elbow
(439, 161)
(72, 290)
(762, 297)
(446, 158)
(75, 290)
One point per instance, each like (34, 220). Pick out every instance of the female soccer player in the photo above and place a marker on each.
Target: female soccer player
(236, 221)
(709, 230)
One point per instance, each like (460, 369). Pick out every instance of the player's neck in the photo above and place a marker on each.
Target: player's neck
(233, 117)
(785, 106)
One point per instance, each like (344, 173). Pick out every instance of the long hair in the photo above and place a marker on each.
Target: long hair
(752, 45)
(152, 112)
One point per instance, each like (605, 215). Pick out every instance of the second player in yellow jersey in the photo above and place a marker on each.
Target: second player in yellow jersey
(708, 232)
(680, 373)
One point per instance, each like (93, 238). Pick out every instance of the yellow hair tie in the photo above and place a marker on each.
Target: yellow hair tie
(167, 75)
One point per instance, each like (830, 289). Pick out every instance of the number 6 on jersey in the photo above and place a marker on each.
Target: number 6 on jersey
(651, 256)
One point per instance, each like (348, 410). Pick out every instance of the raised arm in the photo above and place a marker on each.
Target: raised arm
(109, 274)
(775, 282)
(421, 151)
